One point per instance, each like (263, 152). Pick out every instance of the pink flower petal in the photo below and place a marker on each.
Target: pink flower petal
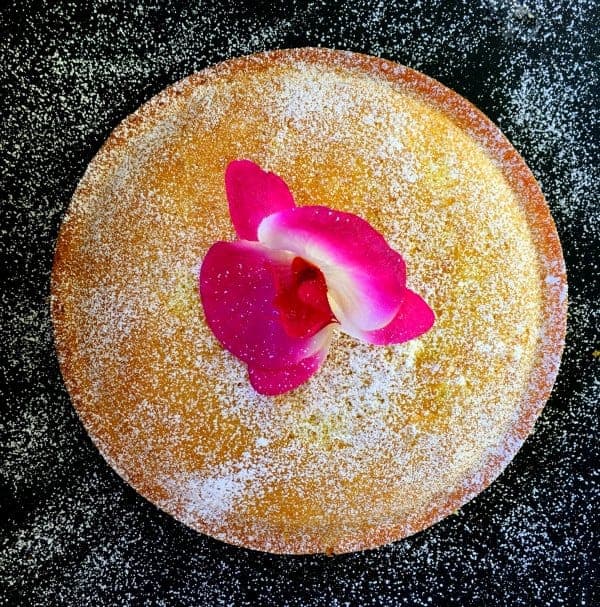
(253, 194)
(302, 299)
(272, 382)
(364, 275)
(238, 293)
(413, 319)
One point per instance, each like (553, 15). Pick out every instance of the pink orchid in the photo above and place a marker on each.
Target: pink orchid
(273, 297)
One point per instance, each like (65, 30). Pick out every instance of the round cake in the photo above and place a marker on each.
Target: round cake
(382, 441)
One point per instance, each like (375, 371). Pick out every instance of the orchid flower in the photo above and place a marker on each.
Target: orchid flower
(273, 297)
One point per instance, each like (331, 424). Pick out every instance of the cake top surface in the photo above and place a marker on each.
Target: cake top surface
(383, 441)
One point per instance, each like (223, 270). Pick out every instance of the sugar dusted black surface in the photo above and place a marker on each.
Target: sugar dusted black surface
(72, 533)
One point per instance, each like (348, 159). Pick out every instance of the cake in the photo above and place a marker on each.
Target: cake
(383, 441)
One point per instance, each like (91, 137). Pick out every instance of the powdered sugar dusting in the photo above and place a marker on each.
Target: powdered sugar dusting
(442, 403)
(74, 533)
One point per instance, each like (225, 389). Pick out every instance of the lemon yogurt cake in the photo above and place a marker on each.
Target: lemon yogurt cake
(383, 440)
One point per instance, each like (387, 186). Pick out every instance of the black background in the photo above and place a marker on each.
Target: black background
(72, 533)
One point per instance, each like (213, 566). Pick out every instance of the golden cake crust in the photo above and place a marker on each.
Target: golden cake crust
(359, 468)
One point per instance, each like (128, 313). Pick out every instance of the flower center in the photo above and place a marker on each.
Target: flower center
(301, 300)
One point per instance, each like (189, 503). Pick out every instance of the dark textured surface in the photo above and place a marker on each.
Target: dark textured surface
(72, 533)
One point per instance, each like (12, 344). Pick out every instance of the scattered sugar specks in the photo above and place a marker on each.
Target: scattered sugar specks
(72, 532)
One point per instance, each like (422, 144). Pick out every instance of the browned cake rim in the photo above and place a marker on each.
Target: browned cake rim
(515, 171)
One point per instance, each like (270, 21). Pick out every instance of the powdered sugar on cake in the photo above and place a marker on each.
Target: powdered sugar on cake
(411, 424)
